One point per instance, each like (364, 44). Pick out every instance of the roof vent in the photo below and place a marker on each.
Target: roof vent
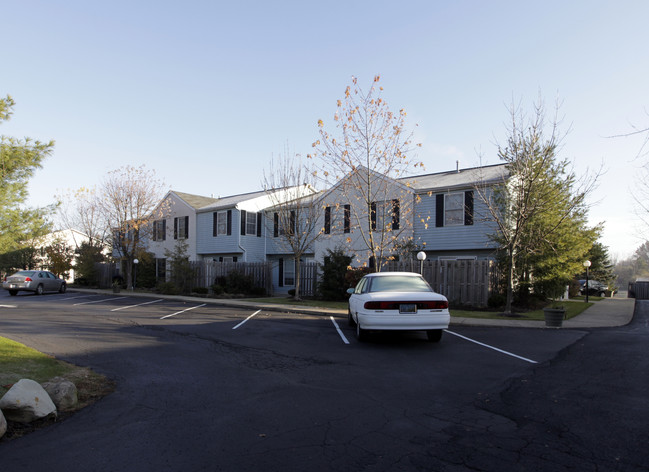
(457, 166)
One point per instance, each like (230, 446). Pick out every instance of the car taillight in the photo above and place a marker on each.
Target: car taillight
(28, 279)
(427, 305)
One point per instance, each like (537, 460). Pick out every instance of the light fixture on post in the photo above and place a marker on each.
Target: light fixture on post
(587, 264)
(135, 263)
(421, 257)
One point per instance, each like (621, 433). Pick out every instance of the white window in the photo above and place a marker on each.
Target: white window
(454, 209)
(251, 223)
(222, 223)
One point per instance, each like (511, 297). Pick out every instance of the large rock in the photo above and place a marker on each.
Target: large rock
(3, 424)
(62, 392)
(26, 401)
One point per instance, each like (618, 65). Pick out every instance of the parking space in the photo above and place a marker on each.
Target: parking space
(251, 326)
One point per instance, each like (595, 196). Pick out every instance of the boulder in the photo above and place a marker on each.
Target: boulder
(62, 392)
(3, 424)
(26, 401)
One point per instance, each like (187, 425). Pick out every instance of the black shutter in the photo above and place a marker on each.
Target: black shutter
(155, 230)
(186, 227)
(396, 209)
(293, 223)
(327, 221)
(281, 272)
(243, 222)
(215, 219)
(259, 225)
(439, 210)
(229, 223)
(373, 215)
(468, 207)
(164, 230)
(175, 228)
(348, 219)
(275, 225)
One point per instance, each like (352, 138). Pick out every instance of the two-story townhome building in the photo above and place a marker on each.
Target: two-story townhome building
(451, 220)
(237, 228)
(176, 223)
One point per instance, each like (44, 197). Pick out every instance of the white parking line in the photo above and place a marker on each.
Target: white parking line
(339, 330)
(139, 304)
(491, 347)
(80, 296)
(7, 306)
(183, 311)
(99, 301)
(241, 324)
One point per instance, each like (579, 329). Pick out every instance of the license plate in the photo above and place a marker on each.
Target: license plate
(408, 308)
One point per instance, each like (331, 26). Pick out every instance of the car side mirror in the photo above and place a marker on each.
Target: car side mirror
(350, 291)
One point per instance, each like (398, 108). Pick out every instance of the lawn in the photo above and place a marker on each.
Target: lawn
(573, 308)
(18, 361)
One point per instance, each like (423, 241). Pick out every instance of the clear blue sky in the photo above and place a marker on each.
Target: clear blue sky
(204, 92)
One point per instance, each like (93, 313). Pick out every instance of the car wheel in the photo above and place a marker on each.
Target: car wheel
(63, 288)
(602, 294)
(13, 293)
(39, 290)
(434, 335)
(361, 334)
(350, 318)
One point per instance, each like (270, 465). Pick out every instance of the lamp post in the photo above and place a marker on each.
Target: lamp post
(587, 264)
(421, 257)
(135, 262)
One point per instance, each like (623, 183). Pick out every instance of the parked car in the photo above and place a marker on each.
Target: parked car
(397, 301)
(38, 281)
(594, 288)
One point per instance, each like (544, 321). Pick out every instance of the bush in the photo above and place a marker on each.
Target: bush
(167, 288)
(333, 285)
(201, 290)
(497, 300)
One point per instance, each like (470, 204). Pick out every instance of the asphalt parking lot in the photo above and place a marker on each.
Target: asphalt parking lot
(207, 387)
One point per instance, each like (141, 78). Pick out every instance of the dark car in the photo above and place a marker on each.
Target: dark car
(37, 281)
(594, 288)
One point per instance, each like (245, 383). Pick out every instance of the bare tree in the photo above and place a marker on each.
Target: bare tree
(79, 210)
(289, 186)
(361, 161)
(129, 201)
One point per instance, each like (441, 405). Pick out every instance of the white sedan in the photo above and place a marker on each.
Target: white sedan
(397, 301)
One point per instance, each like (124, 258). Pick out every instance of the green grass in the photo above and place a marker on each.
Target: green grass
(573, 308)
(18, 361)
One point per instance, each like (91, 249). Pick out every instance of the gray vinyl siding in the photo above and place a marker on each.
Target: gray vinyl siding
(251, 246)
(451, 238)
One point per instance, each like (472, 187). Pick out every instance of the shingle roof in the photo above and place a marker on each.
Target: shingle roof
(458, 178)
(195, 201)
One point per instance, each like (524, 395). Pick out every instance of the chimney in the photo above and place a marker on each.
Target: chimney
(457, 166)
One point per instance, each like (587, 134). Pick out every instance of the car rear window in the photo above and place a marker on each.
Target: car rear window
(26, 273)
(399, 284)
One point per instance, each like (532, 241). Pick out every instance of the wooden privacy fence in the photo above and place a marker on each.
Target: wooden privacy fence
(308, 279)
(462, 281)
(639, 289)
(205, 273)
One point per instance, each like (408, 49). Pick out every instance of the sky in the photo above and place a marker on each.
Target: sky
(205, 93)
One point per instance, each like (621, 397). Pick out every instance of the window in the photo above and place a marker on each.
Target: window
(222, 223)
(454, 209)
(161, 269)
(385, 215)
(181, 227)
(337, 217)
(160, 230)
(251, 223)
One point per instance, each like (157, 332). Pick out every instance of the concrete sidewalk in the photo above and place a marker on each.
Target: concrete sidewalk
(608, 312)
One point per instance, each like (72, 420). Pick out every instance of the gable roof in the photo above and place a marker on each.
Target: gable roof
(458, 178)
(194, 201)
